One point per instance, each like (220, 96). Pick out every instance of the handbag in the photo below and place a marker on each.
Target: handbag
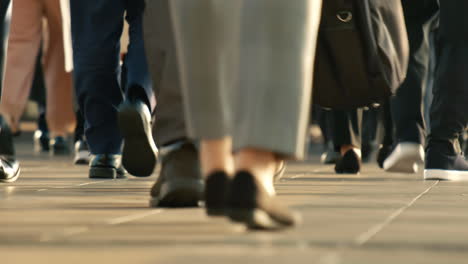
(362, 53)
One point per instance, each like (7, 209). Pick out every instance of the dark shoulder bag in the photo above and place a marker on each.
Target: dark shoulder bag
(362, 53)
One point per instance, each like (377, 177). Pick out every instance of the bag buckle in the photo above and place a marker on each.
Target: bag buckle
(344, 16)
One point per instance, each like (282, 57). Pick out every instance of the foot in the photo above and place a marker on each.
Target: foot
(9, 166)
(9, 169)
(41, 141)
(59, 146)
(382, 155)
(179, 183)
(106, 166)
(82, 154)
(249, 203)
(443, 163)
(349, 163)
(217, 188)
(330, 156)
(405, 158)
(139, 152)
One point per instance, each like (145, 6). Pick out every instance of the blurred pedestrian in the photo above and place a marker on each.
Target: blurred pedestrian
(96, 31)
(449, 110)
(9, 166)
(26, 35)
(246, 70)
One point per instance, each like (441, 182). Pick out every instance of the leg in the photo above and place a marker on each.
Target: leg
(449, 111)
(60, 114)
(96, 30)
(347, 140)
(23, 47)
(211, 113)
(179, 182)
(139, 154)
(407, 106)
(9, 166)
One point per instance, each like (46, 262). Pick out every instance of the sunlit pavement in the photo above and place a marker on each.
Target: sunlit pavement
(55, 214)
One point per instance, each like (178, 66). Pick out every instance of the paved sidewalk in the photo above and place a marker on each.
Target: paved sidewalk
(55, 214)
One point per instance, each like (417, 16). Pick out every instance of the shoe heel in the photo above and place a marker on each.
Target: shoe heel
(216, 190)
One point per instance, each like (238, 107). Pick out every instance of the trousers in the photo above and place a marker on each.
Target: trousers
(169, 124)
(407, 105)
(449, 109)
(246, 70)
(97, 26)
(26, 35)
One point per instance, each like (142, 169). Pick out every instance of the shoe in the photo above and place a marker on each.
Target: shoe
(443, 163)
(382, 155)
(106, 166)
(9, 166)
(139, 154)
(217, 188)
(216, 191)
(350, 163)
(59, 146)
(41, 141)
(250, 204)
(179, 183)
(405, 158)
(82, 154)
(9, 169)
(330, 156)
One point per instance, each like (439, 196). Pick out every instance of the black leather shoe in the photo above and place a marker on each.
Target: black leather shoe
(250, 204)
(350, 163)
(179, 183)
(59, 146)
(41, 141)
(9, 167)
(139, 154)
(106, 166)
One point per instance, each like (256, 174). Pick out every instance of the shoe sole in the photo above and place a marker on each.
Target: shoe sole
(445, 175)
(13, 179)
(139, 154)
(181, 193)
(408, 163)
(105, 173)
(255, 219)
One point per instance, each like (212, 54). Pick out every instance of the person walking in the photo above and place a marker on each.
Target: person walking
(26, 36)
(9, 165)
(449, 110)
(407, 106)
(246, 71)
(96, 28)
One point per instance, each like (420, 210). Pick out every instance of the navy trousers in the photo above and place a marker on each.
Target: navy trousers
(449, 110)
(96, 30)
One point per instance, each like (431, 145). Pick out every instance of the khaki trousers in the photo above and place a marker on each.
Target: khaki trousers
(26, 34)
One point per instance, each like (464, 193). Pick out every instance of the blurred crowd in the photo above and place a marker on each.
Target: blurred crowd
(219, 93)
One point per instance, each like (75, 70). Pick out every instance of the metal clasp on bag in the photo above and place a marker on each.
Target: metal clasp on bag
(345, 16)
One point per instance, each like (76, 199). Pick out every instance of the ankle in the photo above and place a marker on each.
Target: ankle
(345, 148)
(261, 164)
(216, 156)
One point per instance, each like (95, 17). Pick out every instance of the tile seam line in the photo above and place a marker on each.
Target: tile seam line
(374, 230)
(70, 186)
